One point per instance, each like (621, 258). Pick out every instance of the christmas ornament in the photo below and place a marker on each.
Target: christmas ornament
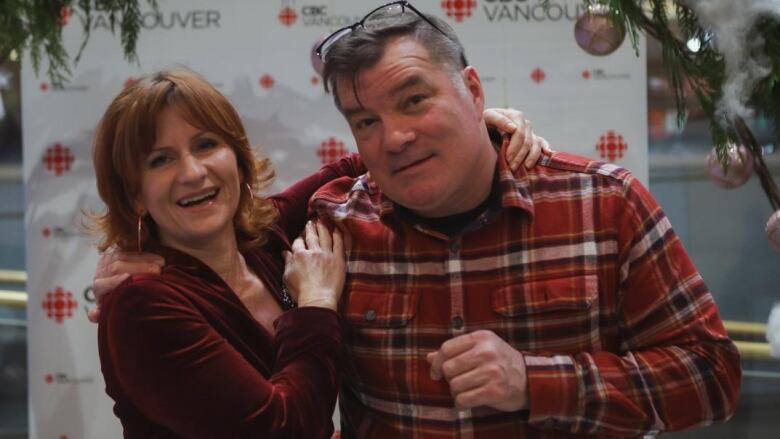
(773, 331)
(737, 173)
(773, 231)
(596, 33)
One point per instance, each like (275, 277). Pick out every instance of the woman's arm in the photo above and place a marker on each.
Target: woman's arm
(293, 202)
(180, 372)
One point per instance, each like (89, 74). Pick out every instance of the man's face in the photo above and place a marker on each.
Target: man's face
(419, 130)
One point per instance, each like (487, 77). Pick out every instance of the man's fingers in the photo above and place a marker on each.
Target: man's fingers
(472, 398)
(467, 380)
(435, 359)
(457, 345)
(326, 242)
(449, 349)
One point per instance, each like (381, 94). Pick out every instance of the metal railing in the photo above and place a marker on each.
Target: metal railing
(751, 350)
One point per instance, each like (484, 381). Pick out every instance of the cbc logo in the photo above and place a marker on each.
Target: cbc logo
(314, 10)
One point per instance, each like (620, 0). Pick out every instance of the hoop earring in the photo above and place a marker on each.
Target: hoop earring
(251, 194)
(140, 228)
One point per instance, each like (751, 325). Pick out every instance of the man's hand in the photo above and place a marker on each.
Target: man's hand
(482, 370)
(116, 266)
(524, 146)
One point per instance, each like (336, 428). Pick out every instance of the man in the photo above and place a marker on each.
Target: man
(483, 303)
(486, 303)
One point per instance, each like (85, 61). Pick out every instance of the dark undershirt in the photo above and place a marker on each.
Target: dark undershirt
(453, 225)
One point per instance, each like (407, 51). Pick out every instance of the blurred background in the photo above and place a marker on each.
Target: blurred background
(722, 229)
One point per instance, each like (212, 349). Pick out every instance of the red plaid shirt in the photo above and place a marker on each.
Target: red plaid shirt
(578, 269)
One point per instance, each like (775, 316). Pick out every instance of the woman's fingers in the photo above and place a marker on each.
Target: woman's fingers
(310, 236)
(338, 242)
(326, 242)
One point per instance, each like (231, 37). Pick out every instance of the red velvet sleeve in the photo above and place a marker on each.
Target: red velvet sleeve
(180, 373)
(293, 201)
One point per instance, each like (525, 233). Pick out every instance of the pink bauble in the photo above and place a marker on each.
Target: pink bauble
(737, 173)
(595, 32)
(773, 231)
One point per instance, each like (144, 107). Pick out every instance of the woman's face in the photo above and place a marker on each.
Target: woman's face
(190, 184)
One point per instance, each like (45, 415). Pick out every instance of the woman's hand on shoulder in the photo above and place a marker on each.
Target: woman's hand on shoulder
(524, 147)
(114, 267)
(315, 268)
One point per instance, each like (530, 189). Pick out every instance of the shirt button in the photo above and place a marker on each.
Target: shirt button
(457, 322)
(370, 315)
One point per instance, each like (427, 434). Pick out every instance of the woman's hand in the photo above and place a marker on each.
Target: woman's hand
(315, 269)
(524, 145)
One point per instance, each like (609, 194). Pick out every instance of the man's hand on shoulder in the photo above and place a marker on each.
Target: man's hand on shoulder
(482, 370)
(116, 266)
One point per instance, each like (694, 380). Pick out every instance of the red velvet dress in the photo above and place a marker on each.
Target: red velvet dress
(183, 357)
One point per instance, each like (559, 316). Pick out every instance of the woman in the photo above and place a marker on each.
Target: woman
(213, 345)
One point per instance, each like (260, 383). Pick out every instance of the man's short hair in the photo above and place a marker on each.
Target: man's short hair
(363, 48)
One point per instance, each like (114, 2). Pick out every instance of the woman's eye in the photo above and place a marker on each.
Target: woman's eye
(205, 144)
(157, 161)
(365, 123)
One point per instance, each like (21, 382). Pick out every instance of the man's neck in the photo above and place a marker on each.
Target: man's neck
(478, 188)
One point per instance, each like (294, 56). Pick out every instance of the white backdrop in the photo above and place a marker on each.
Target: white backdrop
(258, 54)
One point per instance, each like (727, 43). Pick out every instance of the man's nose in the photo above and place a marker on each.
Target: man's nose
(398, 134)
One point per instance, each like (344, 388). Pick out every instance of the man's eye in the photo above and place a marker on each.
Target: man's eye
(414, 100)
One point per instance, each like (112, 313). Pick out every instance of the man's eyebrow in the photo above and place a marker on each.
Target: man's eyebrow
(409, 82)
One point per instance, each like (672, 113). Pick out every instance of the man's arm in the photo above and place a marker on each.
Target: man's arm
(675, 368)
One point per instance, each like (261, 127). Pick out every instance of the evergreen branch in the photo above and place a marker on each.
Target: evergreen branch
(35, 26)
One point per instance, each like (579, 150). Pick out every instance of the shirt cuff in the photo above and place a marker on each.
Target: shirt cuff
(553, 387)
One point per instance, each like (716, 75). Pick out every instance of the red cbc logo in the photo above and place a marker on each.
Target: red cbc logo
(287, 16)
(65, 13)
(458, 9)
(538, 75)
(58, 159)
(59, 304)
(267, 81)
(331, 150)
(611, 146)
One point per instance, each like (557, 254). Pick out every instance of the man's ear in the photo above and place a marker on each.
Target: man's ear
(474, 86)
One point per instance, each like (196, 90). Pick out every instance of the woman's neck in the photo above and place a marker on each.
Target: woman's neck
(221, 255)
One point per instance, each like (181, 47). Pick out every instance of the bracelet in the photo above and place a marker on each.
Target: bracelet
(287, 300)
